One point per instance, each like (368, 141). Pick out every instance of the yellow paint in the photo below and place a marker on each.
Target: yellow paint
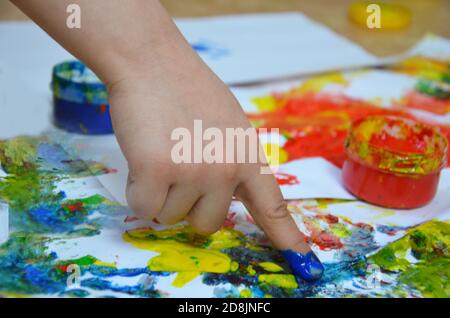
(384, 213)
(183, 278)
(346, 121)
(318, 83)
(315, 84)
(251, 270)
(4, 294)
(392, 16)
(245, 293)
(424, 67)
(271, 151)
(325, 203)
(265, 103)
(100, 263)
(182, 250)
(279, 280)
(340, 230)
(270, 267)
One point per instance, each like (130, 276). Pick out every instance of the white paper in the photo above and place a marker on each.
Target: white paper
(257, 47)
(4, 222)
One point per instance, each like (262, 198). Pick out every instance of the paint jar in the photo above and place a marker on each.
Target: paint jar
(80, 100)
(393, 162)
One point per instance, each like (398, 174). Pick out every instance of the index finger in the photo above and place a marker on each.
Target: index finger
(262, 196)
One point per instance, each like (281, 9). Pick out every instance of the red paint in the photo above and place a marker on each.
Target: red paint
(430, 104)
(74, 207)
(316, 124)
(286, 179)
(230, 221)
(102, 108)
(329, 218)
(62, 268)
(324, 240)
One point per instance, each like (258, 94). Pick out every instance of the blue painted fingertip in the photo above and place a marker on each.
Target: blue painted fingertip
(306, 266)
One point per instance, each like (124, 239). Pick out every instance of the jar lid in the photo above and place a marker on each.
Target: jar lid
(75, 82)
(397, 145)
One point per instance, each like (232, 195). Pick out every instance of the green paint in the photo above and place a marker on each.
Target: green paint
(433, 89)
(18, 154)
(340, 230)
(26, 190)
(432, 278)
(429, 243)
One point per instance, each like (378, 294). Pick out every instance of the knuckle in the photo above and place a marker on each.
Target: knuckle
(139, 204)
(144, 167)
(276, 212)
(230, 172)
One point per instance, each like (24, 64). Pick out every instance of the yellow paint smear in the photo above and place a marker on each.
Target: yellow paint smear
(318, 83)
(279, 280)
(182, 251)
(270, 267)
(265, 103)
(100, 263)
(275, 154)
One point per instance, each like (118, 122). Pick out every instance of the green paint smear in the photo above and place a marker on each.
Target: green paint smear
(18, 154)
(429, 243)
(23, 191)
(432, 89)
(432, 279)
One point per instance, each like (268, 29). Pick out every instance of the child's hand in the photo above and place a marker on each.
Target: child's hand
(152, 100)
(157, 83)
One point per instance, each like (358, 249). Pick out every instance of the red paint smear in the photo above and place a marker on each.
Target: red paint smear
(413, 143)
(316, 124)
(74, 207)
(102, 108)
(324, 240)
(420, 101)
(286, 179)
(330, 219)
(230, 221)
(62, 268)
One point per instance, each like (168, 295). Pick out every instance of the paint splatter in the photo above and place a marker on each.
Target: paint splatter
(286, 178)
(237, 261)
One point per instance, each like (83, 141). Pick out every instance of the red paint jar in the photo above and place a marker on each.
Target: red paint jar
(393, 162)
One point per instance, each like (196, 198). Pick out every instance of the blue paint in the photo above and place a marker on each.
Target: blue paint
(306, 266)
(209, 49)
(80, 100)
(47, 281)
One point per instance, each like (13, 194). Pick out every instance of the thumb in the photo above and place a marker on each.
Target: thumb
(261, 195)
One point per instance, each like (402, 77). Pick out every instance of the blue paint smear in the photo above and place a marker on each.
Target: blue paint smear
(210, 50)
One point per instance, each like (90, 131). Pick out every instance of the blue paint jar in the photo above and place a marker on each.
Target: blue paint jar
(80, 100)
